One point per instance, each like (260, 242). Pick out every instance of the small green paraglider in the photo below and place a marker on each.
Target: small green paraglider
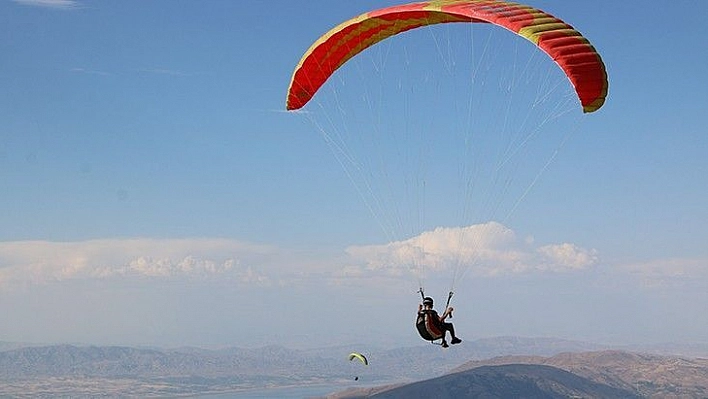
(362, 358)
(355, 355)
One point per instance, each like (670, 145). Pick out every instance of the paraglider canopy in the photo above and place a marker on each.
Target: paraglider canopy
(566, 46)
(402, 147)
(359, 356)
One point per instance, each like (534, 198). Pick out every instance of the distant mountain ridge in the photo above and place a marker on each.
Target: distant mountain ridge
(106, 361)
(118, 361)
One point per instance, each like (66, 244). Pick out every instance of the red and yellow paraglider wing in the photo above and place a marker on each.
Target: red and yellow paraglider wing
(573, 53)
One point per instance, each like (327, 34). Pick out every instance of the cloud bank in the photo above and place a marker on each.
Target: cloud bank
(43, 261)
(488, 250)
(65, 4)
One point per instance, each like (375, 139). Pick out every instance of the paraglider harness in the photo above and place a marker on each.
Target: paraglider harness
(428, 322)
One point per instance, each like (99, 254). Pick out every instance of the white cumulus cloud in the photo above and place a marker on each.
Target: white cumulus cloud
(566, 256)
(485, 249)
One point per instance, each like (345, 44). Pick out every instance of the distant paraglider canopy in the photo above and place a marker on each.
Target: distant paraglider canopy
(359, 356)
(566, 46)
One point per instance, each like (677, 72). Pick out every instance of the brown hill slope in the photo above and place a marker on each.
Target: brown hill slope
(601, 374)
(648, 375)
(511, 381)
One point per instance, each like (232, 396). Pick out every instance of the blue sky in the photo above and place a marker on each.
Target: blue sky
(152, 185)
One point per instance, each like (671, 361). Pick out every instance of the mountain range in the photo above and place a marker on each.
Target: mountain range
(503, 365)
